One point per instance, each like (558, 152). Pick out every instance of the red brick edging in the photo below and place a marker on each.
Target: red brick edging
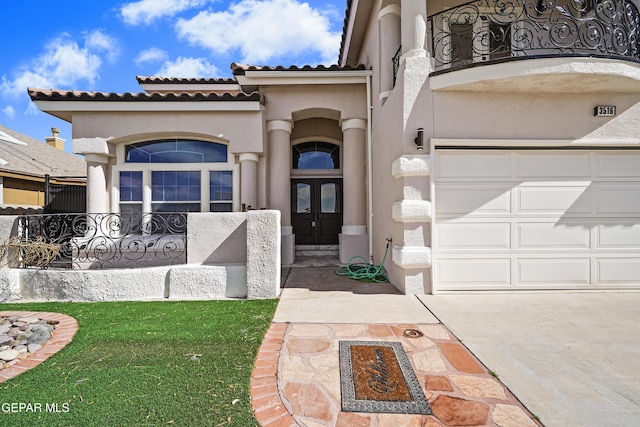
(62, 335)
(265, 399)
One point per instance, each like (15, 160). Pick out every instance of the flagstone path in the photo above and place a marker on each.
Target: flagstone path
(296, 379)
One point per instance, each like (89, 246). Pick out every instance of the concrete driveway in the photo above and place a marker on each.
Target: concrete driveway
(573, 359)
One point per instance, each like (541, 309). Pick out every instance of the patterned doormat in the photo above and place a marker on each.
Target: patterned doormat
(376, 376)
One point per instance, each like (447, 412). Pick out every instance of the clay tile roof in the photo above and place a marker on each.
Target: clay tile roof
(76, 95)
(240, 69)
(178, 80)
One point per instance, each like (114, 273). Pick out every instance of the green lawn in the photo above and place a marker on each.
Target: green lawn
(145, 364)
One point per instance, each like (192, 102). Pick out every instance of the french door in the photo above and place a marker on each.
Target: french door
(316, 210)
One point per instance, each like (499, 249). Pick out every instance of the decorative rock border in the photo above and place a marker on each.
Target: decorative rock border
(63, 333)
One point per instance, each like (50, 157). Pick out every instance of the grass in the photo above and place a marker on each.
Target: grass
(145, 364)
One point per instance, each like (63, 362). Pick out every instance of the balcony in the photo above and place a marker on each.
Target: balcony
(488, 32)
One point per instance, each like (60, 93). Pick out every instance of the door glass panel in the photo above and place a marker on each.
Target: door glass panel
(303, 198)
(328, 198)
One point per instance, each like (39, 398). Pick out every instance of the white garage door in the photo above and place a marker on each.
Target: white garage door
(536, 219)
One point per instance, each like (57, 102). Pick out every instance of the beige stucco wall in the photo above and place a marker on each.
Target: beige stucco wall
(534, 115)
(244, 130)
(338, 102)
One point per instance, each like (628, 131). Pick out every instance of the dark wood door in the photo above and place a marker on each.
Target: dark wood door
(316, 210)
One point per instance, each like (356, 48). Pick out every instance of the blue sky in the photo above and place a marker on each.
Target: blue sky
(104, 45)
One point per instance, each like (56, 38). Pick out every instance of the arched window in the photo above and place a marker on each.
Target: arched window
(175, 151)
(316, 155)
(180, 175)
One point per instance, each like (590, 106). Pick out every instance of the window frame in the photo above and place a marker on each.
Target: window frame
(147, 168)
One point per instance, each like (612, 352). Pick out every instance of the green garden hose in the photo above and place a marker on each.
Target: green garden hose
(365, 271)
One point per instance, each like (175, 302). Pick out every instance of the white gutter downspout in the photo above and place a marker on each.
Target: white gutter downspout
(369, 172)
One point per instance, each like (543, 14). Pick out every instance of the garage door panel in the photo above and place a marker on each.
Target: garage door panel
(474, 164)
(479, 200)
(618, 271)
(618, 236)
(618, 164)
(474, 236)
(474, 272)
(554, 200)
(618, 199)
(561, 219)
(553, 236)
(536, 164)
(554, 271)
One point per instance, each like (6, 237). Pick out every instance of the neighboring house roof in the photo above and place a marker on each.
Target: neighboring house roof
(76, 95)
(29, 157)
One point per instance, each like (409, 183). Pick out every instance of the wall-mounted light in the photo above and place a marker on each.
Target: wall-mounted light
(419, 141)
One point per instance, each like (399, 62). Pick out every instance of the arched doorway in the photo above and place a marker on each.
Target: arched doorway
(316, 193)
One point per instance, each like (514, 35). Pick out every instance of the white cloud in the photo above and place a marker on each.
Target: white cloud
(151, 55)
(9, 111)
(187, 67)
(101, 42)
(63, 63)
(146, 11)
(31, 110)
(264, 30)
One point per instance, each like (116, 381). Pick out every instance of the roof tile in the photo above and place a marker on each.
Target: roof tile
(240, 69)
(75, 95)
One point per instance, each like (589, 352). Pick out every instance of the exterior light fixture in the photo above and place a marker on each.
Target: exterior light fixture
(419, 141)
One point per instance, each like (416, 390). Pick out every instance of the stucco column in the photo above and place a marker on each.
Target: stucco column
(390, 39)
(353, 239)
(249, 180)
(280, 182)
(414, 27)
(97, 195)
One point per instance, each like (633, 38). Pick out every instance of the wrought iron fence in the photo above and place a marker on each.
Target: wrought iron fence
(101, 241)
(396, 64)
(491, 30)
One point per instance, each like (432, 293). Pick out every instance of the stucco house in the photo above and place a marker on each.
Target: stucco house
(497, 145)
(29, 168)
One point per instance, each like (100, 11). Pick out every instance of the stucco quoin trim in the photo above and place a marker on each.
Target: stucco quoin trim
(354, 124)
(282, 125)
(411, 211)
(408, 257)
(411, 165)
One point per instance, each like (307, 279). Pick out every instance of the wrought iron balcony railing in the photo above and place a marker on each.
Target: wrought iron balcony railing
(100, 241)
(484, 31)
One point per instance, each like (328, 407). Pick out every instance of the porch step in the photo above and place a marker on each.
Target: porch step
(317, 251)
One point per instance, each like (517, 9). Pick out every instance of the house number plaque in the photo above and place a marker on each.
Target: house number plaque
(605, 111)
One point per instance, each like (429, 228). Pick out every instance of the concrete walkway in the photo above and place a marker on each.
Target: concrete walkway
(573, 359)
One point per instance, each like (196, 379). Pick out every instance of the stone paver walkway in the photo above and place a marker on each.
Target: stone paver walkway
(62, 335)
(296, 379)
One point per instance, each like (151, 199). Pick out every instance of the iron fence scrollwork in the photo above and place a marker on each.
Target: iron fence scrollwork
(110, 240)
(490, 30)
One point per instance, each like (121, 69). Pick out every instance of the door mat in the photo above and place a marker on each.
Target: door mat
(376, 376)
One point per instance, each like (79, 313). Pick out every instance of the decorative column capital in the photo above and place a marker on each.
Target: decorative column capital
(392, 9)
(284, 125)
(97, 158)
(353, 124)
(248, 156)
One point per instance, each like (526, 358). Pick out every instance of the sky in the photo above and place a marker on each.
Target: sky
(102, 45)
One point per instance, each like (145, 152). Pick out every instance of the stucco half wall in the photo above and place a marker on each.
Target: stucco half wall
(230, 255)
